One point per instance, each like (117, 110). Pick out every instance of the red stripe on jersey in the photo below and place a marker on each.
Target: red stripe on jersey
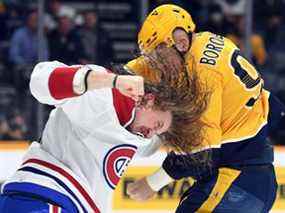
(55, 209)
(124, 106)
(64, 173)
(60, 82)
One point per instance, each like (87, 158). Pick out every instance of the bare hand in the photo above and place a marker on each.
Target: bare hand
(140, 190)
(131, 86)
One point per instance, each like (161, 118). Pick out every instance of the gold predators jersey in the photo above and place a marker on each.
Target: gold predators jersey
(238, 107)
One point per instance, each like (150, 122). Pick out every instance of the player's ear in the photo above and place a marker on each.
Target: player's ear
(181, 39)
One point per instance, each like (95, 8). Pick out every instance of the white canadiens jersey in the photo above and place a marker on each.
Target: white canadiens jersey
(84, 148)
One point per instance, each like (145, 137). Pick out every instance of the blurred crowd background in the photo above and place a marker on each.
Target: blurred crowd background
(104, 32)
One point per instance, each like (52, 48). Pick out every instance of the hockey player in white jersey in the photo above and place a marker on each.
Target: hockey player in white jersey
(99, 122)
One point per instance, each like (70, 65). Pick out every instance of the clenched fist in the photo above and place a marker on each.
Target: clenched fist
(140, 190)
(131, 86)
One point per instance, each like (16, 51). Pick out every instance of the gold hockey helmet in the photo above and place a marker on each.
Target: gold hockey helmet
(159, 25)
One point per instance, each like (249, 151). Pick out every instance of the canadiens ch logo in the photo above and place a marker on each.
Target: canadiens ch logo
(115, 162)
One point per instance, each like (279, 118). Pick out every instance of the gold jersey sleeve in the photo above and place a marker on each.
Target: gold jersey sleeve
(238, 106)
(212, 116)
(139, 67)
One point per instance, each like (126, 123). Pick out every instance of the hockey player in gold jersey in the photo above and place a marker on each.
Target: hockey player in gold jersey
(239, 177)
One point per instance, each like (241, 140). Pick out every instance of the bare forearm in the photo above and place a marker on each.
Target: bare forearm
(98, 80)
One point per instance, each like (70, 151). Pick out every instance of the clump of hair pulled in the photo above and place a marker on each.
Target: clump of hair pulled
(180, 91)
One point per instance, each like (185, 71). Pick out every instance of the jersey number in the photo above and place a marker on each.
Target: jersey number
(244, 71)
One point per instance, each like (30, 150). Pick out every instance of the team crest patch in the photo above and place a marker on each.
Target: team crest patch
(115, 162)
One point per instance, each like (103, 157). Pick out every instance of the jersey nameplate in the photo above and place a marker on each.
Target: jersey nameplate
(212, 50)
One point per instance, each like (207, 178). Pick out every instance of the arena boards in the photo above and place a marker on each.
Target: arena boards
(167, 198)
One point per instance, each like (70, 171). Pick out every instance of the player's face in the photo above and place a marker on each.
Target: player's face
(181, 40)
(149, 121)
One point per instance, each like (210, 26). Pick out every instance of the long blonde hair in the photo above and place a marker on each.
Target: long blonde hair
(180, 91)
